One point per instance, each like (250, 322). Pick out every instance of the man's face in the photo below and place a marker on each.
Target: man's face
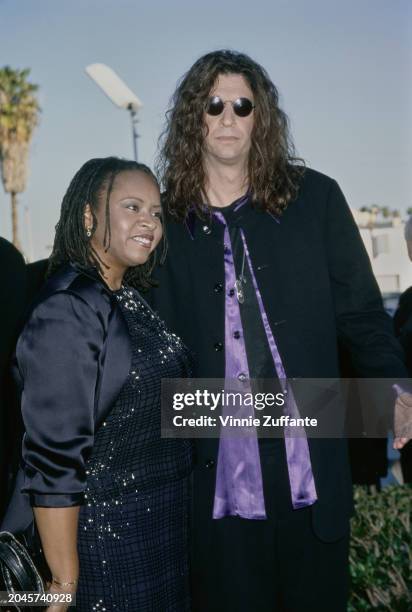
(409, 247)
(228, 138)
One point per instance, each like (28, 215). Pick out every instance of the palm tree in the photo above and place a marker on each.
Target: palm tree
(19, 113)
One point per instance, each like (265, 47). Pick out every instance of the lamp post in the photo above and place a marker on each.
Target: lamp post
(133, 117)
(118, 92)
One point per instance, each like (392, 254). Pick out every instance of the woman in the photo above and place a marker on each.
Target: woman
(109, 495)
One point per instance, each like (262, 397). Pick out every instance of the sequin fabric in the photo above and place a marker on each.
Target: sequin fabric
(133, 527)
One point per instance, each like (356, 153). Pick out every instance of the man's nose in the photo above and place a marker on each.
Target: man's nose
(228, 116)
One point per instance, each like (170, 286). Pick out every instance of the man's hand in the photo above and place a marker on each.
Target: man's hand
(403, 420)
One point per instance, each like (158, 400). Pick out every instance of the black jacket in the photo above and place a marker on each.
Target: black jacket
(317, 286)
(12, 305)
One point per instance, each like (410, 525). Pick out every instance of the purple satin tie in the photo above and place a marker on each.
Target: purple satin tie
(302, 483)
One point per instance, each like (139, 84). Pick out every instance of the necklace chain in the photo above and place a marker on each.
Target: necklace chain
(241, 281)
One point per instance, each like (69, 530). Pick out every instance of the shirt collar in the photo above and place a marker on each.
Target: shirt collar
(192, 215)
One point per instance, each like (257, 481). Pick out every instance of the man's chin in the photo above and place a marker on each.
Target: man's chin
(230, 157)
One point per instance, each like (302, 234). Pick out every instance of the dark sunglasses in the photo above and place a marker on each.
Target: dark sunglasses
(242, 107)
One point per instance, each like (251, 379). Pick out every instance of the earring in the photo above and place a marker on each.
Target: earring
(89, 232)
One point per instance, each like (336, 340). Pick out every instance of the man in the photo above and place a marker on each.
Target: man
(12, 304)
(20, 284)
(265, 270)
(403, 329)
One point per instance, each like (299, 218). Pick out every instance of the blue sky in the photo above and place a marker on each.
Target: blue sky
(344, 70)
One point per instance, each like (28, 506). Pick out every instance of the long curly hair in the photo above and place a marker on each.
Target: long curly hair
(274, 170)
(92, 185)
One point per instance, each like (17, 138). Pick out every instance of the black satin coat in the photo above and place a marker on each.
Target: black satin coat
(72, 359)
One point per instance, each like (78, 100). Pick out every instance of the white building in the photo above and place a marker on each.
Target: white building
(386, 247)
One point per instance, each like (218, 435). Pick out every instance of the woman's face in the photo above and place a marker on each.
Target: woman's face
(135, 222)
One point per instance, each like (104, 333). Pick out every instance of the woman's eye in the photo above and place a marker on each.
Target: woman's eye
(158, 214)
(132, 207)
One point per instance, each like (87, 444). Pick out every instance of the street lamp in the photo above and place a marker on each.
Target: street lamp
(118, 92)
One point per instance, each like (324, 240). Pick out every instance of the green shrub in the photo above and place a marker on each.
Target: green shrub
(381, 550)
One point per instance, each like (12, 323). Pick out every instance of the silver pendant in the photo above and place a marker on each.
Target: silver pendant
(239, 292)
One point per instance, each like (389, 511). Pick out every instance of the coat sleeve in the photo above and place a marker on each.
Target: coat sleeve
(405, 338)
(363, 326)
(58, 361)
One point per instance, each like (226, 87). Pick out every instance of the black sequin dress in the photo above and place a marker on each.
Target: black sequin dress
(133, 529)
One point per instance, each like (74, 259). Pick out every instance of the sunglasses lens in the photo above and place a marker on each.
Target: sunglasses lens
(243, 107)
(214, 106)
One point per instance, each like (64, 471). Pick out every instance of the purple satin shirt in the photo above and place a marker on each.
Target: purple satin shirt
(239, 488)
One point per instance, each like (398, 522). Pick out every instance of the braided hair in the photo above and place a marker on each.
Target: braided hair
(71, 244)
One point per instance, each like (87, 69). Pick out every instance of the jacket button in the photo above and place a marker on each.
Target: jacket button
(242, 376)
(210, 464)
(236, 335)
(218, 346)
(231, 292)
(218, 288)
(206, 229)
